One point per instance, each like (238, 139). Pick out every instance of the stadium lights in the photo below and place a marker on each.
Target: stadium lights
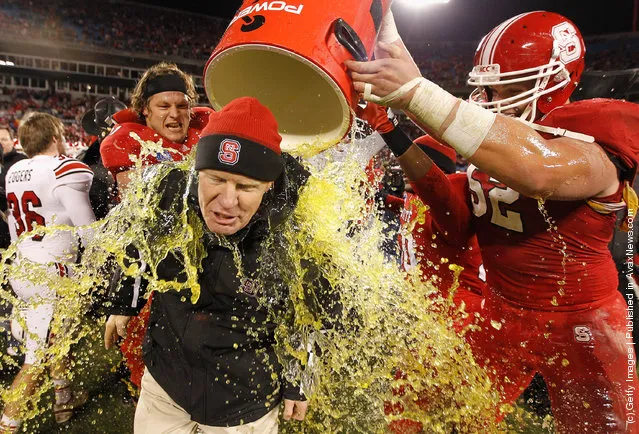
(6, 63)
(421, 3)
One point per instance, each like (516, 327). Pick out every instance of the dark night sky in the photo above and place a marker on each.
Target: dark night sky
(466, 19)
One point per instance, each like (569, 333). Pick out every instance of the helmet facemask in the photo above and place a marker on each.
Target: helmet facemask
(483, 76)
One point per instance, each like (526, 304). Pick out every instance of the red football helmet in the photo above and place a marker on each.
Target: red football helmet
(541, 47)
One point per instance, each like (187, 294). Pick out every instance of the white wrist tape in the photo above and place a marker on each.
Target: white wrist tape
(403, 90)
(388, 31)
(469, 128)
(431, 104)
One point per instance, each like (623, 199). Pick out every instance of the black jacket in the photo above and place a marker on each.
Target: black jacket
(102, 193)
(216, 358)
(8, 160)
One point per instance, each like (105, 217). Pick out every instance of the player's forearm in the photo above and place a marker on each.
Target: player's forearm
(558, 169)
(415, 163)
(413, 160)
(448, 205)
(509, 150)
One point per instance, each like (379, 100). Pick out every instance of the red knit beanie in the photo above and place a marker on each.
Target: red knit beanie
(442, 155)
(241, 138)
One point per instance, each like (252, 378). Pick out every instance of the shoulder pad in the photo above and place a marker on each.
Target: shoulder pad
(72, 171)
(127, 115)
(613, 124)
(119, 145)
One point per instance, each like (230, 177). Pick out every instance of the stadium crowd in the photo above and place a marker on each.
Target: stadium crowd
(15, 103)
(127, 27)
(124, 27)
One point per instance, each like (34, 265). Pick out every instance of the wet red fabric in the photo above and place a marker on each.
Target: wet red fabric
(585, 358)
(132, 345)
(117, 148)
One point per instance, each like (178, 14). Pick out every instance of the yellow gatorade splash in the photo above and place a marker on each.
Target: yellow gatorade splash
(563, 249)
(131, 223)
(307, 149)
(387, 324)
(421, 210)
(388, 333)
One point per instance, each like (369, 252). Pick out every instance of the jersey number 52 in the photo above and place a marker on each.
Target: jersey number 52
(500, 197)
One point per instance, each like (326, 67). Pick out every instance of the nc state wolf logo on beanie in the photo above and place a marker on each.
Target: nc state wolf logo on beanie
(241, 138)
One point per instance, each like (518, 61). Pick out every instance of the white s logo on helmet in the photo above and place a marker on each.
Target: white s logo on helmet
(567, 41)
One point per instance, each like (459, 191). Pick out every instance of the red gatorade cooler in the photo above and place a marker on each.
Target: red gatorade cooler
(290, 56)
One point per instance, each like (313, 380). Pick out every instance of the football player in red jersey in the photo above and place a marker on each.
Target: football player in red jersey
(546, 180)
(423, 244)
(162, 111)
(422, 240)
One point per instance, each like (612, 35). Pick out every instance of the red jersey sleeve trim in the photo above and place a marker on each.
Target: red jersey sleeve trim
(70, 166)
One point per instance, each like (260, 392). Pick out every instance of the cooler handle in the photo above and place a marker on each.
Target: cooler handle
(350, 40)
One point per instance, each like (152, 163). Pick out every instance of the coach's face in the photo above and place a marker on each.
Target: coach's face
(228, 201)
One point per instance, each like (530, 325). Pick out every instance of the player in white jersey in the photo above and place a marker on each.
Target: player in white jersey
(44, 190)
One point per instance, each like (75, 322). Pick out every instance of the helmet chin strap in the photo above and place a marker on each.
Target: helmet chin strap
(555, 131)
(528, 117)
(529, 113)
(561, 132)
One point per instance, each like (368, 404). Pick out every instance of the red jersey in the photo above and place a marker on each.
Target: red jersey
(555, 256)
(119, 146)
(422, 244)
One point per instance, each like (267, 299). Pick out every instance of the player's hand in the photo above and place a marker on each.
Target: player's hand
(377, 117)
(294, 409)
(385, 75)
(114, 329)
